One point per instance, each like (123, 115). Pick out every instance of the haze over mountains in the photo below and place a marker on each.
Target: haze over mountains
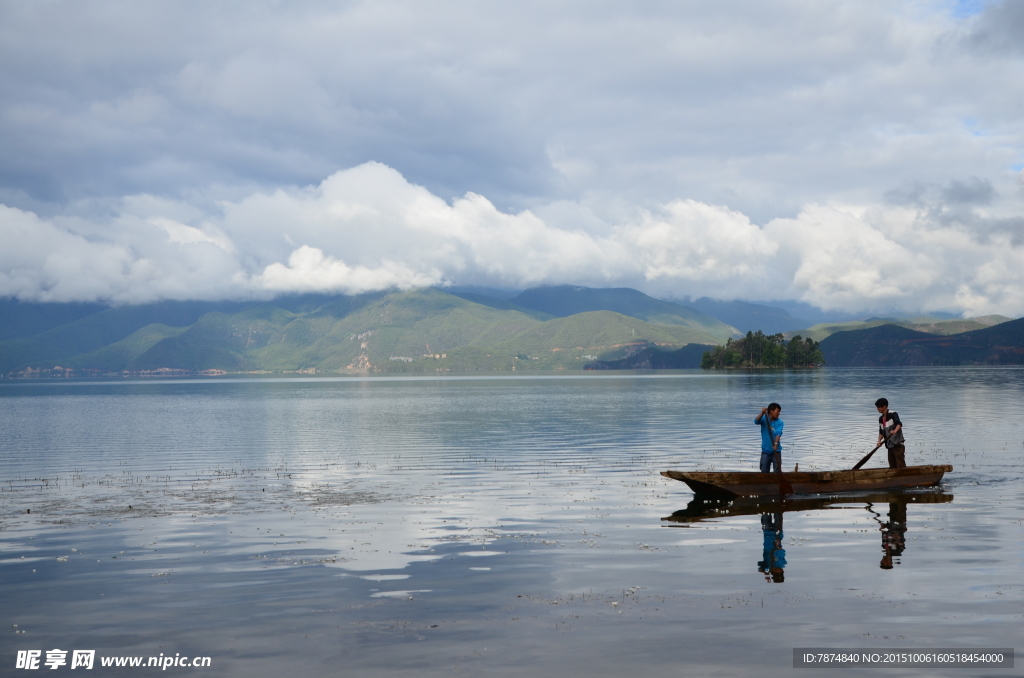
(466, 329)
(565, 300)
(748, 317)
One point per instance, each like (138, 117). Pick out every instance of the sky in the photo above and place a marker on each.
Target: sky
(860, 156)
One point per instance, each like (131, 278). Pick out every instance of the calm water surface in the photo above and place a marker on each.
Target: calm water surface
(508, 526)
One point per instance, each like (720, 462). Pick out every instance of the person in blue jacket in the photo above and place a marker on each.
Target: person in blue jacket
(771, 437)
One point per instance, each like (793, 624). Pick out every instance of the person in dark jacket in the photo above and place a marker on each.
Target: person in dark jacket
(890, 431)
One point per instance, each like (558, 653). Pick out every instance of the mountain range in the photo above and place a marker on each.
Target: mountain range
(927, 324)
(418, 330)
(463, 329)
(890, 345)
(748, 317)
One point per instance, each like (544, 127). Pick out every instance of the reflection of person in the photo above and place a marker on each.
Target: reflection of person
(774, 563)
(890, 430)
(894, 534)
(771, 437)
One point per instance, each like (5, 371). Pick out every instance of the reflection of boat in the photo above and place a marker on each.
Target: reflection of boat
(772, 509)
(704, 508)
(741, 483)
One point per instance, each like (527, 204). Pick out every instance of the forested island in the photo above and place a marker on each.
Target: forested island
(758, 349)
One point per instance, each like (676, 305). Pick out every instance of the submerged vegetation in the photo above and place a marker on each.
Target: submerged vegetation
(758, 349)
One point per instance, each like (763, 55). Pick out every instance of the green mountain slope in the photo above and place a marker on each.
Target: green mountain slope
(420, 330)
(598, 332)
(565, 300)
(921, 324)
(22, 319)
(406, 325)
(122, 354)
(61, 344)
(502, 304)
(652, 358)
(219, 341)
(892, 345)
(426, 330)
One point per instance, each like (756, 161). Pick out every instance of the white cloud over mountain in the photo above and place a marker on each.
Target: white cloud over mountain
(854, 155)
(368, 228)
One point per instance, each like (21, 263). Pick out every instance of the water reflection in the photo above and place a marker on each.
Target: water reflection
(773, 564)
(772, 510)
(894, 532)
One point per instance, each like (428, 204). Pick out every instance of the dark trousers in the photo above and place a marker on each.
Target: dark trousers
(769, 459)
(896, 459)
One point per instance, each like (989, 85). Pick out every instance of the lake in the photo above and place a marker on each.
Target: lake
(513, 525)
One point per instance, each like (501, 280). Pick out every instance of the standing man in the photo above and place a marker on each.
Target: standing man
(890, 430)
(771, 437)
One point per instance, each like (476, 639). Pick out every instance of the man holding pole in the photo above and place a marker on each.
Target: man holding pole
(890, 430)
(771, 437)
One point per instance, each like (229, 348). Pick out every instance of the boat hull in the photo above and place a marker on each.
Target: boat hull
(745, 484)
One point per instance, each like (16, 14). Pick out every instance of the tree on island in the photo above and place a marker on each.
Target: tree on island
(764, 350)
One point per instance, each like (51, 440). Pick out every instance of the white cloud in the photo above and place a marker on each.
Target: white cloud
(308, 270)
(368, 228)
(698, 243)
(187, 235)
(40, 260)
(861, 155)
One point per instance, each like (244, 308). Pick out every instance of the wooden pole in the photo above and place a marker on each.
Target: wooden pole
(867, 456)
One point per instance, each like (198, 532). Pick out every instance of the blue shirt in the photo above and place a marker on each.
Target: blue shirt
(766, 437)
(773, 557)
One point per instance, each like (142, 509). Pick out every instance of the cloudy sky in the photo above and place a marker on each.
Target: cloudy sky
(858, 156)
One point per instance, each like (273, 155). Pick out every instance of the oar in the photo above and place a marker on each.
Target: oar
(867, 456)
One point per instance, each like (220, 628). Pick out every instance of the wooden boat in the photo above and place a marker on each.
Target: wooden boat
(730, 484)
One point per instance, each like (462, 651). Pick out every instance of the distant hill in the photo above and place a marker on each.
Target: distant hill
(102, 327)
(490, 292)
(500, 304)
(419, 330)
(19, 319)
(432, 330)
(957, 326)
(921, 324)
(748, 317)
(652, 358)
(565, 300)
(813, 314)
(893, 345)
